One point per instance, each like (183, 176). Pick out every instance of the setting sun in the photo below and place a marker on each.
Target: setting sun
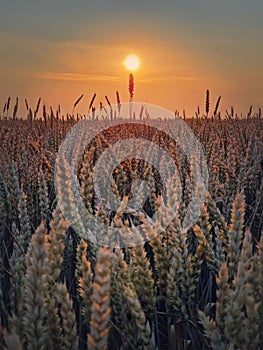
(132, 62)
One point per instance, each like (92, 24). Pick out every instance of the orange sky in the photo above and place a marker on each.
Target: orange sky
(184, 49)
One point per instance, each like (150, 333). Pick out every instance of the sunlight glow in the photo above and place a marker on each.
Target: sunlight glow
(132, 62)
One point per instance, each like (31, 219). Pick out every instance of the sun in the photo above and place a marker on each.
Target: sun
(132, 62)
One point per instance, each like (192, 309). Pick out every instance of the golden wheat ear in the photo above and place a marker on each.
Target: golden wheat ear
(100, 298)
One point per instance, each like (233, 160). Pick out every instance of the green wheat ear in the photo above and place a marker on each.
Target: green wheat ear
(69, 338)
(236, 233)
(34, 293)
(100, 299)
(84, 277)
(142, 278)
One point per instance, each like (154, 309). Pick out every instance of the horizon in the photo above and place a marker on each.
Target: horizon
(40, 108)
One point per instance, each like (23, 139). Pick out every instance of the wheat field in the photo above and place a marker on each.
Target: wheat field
(200, 288)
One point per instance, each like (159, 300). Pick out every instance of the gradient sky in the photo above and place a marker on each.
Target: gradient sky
(59, 49)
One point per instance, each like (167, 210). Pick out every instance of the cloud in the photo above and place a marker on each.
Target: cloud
(77, 77)
(166, 77)
(85, 77)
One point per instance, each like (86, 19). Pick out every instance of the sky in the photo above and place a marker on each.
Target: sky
(60, 49)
